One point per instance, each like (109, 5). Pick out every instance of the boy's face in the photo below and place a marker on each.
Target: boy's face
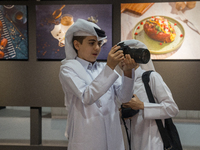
(89, 49)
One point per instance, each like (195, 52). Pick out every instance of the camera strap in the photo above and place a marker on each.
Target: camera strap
(128, 138)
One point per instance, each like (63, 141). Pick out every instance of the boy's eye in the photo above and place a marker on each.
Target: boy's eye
(100, 43)
(92, 43)
(95, 42)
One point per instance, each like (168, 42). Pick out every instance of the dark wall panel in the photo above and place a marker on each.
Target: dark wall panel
(182, 77)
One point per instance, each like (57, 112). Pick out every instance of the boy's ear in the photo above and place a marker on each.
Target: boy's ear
(76, 45)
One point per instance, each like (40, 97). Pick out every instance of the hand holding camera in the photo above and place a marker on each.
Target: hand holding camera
(114, 57)
(134, 103)
(127, 110)
(128, 63)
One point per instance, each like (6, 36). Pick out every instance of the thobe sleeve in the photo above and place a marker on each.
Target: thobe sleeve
(87, 93)
(165, 106)
(124, 87)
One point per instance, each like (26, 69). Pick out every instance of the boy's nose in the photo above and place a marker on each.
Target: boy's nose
(97, 46)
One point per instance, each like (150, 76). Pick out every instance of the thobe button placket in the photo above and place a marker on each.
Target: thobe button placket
(89, 67)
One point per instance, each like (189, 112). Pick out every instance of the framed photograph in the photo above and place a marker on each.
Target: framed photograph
(13, 32)
(170, 30)
(51, 27)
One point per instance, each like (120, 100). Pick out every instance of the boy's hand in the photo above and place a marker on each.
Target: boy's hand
(134, 103)
(114, 57)
(128, 64)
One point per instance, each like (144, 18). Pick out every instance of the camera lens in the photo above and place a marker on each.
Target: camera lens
(145, 56)
(140, 55)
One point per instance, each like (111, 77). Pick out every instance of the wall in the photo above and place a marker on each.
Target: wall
(36, 83)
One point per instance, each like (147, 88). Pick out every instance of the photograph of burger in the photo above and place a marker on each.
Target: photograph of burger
(170, 30)
(13, 32)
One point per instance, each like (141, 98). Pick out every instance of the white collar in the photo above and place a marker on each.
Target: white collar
(87, 64)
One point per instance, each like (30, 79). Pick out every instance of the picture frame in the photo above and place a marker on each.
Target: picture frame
(49, 36)
(184, 46)
(13, 32)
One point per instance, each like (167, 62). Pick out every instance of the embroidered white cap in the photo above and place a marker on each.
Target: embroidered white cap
(82, 33)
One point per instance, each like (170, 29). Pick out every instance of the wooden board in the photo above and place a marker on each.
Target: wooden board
(137, 8)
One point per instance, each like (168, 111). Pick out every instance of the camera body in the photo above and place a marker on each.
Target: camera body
(140, 55)
(128, 112)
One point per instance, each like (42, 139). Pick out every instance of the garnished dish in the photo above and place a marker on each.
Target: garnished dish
(3, 42)
(161, 34)
(160, 29)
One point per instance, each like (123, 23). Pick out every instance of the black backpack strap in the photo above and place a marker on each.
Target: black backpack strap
(146, 79)
(163, 133)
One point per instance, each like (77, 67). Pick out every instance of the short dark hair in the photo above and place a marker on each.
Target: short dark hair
(79, 39)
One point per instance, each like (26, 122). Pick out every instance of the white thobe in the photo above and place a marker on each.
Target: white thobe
(143, 128)
(93, 121)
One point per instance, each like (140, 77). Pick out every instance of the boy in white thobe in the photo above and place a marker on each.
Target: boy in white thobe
(143, 128)
(91, 89)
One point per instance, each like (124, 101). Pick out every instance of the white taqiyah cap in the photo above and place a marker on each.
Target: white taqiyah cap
(82, 33)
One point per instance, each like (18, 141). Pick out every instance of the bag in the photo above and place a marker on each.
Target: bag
(168, 133)
(173, 134)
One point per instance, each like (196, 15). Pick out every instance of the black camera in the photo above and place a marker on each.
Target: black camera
(140, 55)
(128, 112)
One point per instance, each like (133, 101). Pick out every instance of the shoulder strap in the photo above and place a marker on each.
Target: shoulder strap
(163, 132)
(145, 79)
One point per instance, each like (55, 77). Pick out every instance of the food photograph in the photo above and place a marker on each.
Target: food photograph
(53, 21)
(13, 32)
(171, 30)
